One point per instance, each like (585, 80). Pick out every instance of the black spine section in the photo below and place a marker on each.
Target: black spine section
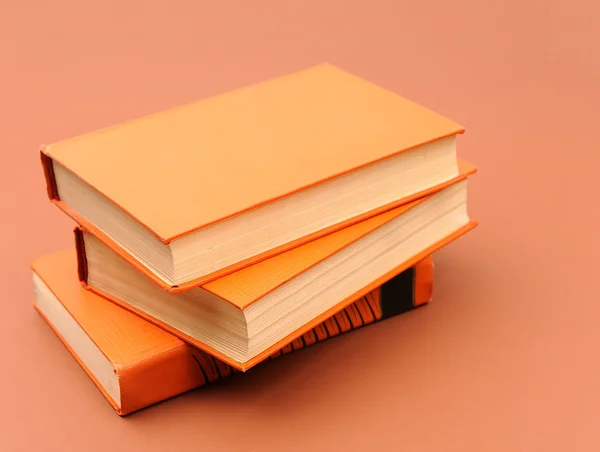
(397, 295)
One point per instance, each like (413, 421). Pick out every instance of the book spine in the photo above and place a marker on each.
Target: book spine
(48, 168)
(407, 291)
(165, 375)
(82, 268)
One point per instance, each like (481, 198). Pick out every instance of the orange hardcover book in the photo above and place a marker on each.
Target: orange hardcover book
(244, 317)
(136, 364)
(200, 191)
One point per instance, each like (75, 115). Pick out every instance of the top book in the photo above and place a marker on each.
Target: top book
(202, 190)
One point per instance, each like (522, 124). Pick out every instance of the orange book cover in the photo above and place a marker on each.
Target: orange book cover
(246, 286)
(301, 257)
(188, 168)
(144, 364)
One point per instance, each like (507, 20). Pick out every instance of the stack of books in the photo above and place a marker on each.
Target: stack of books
(217, 235)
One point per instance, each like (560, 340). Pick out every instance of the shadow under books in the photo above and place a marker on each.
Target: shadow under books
(293, 382)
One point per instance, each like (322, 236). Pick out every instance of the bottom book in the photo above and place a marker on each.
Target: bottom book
(136, 364)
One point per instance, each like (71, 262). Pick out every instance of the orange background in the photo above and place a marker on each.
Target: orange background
(506, 357)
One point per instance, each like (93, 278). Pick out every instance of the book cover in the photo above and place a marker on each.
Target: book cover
(241, 290)
(136, 364)
(237, 152)
(295, 260)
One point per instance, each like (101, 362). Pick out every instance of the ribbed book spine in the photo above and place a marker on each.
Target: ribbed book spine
(408, 290)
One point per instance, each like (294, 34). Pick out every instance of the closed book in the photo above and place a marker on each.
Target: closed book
(136, 364)
(202, 190)
(244, 317)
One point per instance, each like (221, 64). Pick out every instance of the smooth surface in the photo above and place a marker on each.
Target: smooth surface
(246, 147)
(506, 356)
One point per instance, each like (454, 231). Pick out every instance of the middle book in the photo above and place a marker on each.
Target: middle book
(244, 317)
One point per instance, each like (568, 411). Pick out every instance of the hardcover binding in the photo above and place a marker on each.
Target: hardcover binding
(299, 96)
(295, 335)
(153, 380)
(49, 174)
(181, 367)
(465, 170)
(391, 299)
(119, 411)
(82, 268)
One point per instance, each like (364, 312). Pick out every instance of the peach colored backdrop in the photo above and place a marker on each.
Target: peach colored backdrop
(506, 358)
